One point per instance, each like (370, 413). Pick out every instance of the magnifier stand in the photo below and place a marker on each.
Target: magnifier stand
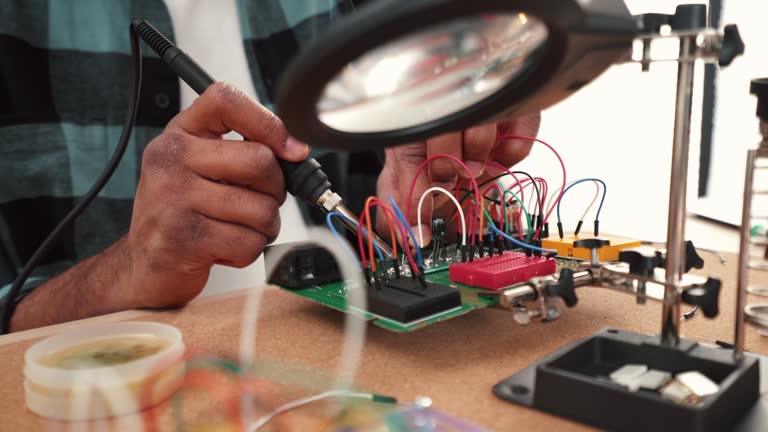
(574, 382)
(753, 254)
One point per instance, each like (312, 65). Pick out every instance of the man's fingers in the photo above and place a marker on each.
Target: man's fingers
(511, 151)
(244, 163)
(445, 170)
(477, 145)
(230, 244)
(231, 204)
(405, 160)
(224, 108)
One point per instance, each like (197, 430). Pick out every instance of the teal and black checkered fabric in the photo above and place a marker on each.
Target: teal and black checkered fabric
(64, 76)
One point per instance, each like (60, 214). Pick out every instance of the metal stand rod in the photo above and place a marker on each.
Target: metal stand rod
(675, 268)
(743, 277)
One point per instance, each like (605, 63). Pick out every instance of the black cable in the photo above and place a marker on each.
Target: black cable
(11, 298)
(7, 249)
(535, 186)
(530, 177)
(486, 197)
(494, 178)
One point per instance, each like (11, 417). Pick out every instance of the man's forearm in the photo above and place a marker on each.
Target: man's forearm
(96, 286)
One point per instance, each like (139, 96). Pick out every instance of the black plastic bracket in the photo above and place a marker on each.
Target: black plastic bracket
(573, 383)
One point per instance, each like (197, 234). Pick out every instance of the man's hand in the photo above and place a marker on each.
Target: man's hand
(475, 147)
(200, 201)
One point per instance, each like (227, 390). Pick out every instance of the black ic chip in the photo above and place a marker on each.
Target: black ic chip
(405, 300)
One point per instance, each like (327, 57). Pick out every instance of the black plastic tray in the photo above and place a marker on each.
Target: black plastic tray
(573, 383)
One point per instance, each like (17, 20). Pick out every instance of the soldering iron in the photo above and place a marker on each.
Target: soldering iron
(305, 180)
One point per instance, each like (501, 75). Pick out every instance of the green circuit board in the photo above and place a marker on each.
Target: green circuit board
(334, 295)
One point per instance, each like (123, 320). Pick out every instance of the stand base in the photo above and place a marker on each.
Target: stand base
(573, 383)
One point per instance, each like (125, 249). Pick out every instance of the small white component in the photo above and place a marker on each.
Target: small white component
(423, 402)
(625, 375)
(698, 383)
(651, 380)
(522, 317)
(676, 392)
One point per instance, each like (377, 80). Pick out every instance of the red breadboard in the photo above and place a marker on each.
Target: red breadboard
(500, 271)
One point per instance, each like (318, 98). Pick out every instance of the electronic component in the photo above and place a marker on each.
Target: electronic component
(651, 380)
(636, 377)
(439, 233)
(565, 248)
(407, 300)
(698, 383)
(501, 271)
(677, 393)
(439, 229)
(304, 265)
(626, 374)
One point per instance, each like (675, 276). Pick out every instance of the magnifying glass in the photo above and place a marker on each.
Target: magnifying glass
(399, 71)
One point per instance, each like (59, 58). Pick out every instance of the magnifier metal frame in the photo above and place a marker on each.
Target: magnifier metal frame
(585, 37)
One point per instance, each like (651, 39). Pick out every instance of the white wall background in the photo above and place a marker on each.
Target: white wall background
(619, 128)
(735, 121)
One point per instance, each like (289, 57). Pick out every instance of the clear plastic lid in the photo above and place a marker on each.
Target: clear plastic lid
(104, 354)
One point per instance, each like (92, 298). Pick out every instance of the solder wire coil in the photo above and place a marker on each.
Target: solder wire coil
(101, 371)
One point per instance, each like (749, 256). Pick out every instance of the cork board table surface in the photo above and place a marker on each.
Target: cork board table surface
(455, 363)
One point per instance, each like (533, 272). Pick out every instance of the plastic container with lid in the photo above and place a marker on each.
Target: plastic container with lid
(103, 371)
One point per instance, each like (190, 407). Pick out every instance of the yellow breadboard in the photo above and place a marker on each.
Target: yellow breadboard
(565, 247)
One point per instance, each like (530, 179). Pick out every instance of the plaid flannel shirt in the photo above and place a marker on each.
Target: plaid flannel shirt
(64, 75)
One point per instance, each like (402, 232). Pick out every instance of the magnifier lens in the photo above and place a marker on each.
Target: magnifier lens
(431, 74)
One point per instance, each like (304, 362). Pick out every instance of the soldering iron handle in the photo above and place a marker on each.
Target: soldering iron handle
(305, 180)
(185, 68)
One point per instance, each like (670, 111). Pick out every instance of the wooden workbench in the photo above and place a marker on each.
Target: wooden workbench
(455, 363)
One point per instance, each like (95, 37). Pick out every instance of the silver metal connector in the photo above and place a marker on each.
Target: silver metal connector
(330, 201)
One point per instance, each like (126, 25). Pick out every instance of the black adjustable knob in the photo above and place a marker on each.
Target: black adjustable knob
(732, 45)
(594, 245)
(759, 88)
(563, 288)
(692, 258)
(642, 260)
(706, 297)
